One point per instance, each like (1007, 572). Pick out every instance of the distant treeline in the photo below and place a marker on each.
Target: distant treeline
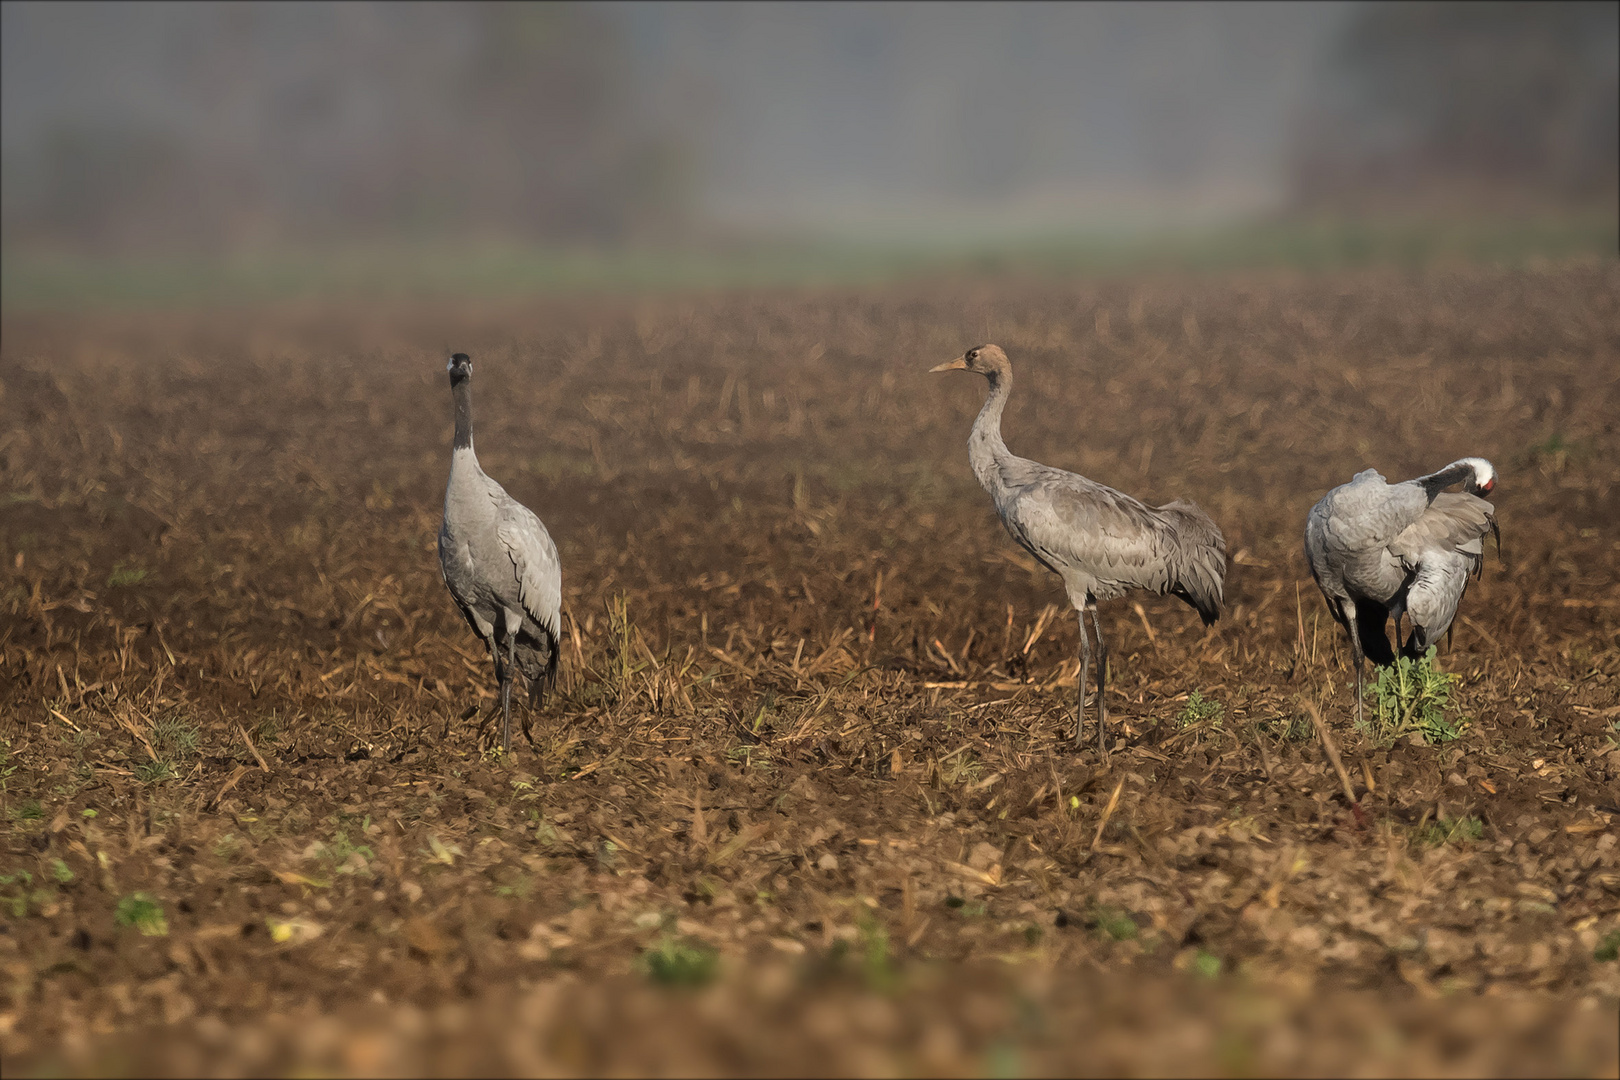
(300, 123)
(259, 124)
(1474, 106)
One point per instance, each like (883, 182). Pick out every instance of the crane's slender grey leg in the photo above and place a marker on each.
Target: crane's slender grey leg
(1085, 674)
(537, 701)
(500, 676)
(506, 692)
(1349, 610)
(1102, 679)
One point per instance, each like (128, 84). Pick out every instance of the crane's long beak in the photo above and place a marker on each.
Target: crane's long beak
(959, 364)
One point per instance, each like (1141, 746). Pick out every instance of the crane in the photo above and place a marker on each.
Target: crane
(1101, 542)
(499, 564)
(1378, 550)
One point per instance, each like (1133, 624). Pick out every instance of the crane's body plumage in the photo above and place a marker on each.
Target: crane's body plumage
(1101, 542)
(1378, 550)
(500, 566)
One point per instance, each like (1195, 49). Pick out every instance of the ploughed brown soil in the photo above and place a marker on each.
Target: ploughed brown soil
(806, 800)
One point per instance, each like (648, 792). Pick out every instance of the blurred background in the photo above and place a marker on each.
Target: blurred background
(162, 150)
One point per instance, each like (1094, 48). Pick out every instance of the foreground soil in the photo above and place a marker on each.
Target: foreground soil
(807, 798)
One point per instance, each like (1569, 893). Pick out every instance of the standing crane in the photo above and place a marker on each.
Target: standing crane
(1101, 542)
(499, 564)
(1378, 550)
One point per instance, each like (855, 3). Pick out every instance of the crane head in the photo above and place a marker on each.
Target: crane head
(987, 360)
(1483, 478)
(459, 367)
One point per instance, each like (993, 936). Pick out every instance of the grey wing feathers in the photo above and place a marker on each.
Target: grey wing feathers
(1109, 533)
(1436, 590)
(1452, 521)
(1122, 543)
(1367, 512)
(1440, 550)
(1199, 561)
(538, 574)
(445, 556)
(1348, 535)
(534, 562)
(1316, 547)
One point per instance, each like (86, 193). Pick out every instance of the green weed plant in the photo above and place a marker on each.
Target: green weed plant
(142, 911)
(1112, 922)
(1450, 830)
(680, 962)
(123, 576)
(1412, 697)
(17, 892)
(1200, 709)
(877, 960)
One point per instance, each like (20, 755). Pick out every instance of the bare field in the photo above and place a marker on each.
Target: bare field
(806, 800)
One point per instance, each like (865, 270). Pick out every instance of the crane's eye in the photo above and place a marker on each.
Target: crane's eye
(974, 355)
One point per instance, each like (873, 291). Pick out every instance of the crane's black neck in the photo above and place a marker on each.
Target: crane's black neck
(1456, 473)
(461, 390)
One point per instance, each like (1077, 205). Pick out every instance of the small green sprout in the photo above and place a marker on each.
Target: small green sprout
(1200, 709)
(680, 962)
(142, 911)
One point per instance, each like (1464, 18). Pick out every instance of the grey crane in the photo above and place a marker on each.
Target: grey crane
(1378, 550)
(1101, 542)
(499, 564)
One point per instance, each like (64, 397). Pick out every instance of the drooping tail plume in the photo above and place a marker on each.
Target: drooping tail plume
(1199, 562)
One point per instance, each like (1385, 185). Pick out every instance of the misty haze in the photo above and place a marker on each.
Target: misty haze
(174, 127)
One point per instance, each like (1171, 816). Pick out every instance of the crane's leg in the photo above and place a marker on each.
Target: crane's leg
(1085, 675)
(474, 709)
(538, 691)
(536, 700)
(506, 692)
(1102, 679)
(1349, 610)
